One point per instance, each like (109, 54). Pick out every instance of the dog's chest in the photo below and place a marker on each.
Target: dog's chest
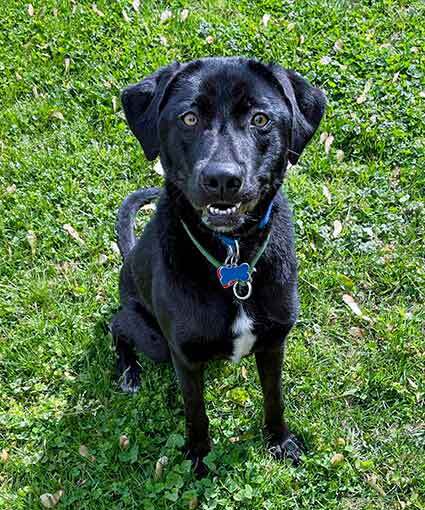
(243, 335)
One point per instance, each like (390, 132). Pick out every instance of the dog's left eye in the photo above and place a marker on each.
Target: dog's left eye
(190, 119)
(260, 120)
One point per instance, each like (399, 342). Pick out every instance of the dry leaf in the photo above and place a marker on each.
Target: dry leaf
(136, 5)
(265, 19)
(340, 441)
(115, 248)
(328, 142)
(327, 194)
(96, 10)
(35, 91)
(340, 155)
(396, 76)
(290, 27)
(363, 96)
(158, 168)
(83, 451)
(32, 241)
(159, 468)
(114, 104)
(209, 39)
(244, 373)
(148, 207)
(56, 115)
(18, 76)
(124, 442)
(325, 60)
(51, 500)
(354, 307)
(4, 455)
(66, 63)
(323, 137)
(337, 229)
(414, 49)
(372, 481)
(338, 45)
(102, 258)
(193, 503)
(361, 99)
(163, 40)
(167, 14)
(11, 188)
(30, 10)
(234, 439)
(336, 459)
(184, 14)
(356, 332)
(422, 93)
(125, 16)
(302, 39)
(72, 232)
(55, 12)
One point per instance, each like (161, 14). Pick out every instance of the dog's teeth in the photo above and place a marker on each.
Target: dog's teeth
(238, 205)
(222, 212)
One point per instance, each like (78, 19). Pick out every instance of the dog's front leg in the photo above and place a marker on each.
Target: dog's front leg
(282, 444)
(191, 380)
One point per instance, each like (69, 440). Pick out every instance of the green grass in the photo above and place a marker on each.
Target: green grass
(359, 392)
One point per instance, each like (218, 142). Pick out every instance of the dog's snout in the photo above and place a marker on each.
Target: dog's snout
(222, 180)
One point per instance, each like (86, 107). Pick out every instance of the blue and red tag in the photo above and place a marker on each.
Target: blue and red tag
(229, 275)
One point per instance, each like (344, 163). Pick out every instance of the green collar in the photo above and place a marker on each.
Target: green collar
(231, 273)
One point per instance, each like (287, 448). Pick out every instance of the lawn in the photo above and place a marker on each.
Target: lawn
(354, 376)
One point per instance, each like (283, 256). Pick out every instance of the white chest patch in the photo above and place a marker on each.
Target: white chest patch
(245, 339)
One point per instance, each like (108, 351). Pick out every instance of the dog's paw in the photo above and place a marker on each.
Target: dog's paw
(289, 447)
(129, 381)
(196, 456)
(199, 467)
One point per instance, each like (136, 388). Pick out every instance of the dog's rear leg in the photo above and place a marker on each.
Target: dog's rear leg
(133, 331)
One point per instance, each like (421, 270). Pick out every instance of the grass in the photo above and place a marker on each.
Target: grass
(354, 384)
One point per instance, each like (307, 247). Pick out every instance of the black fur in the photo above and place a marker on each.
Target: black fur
(173, 306)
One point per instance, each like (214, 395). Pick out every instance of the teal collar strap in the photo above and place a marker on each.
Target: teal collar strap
(232, 273)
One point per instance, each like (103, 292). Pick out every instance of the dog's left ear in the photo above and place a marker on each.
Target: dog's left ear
(141, 107)
(308, 106)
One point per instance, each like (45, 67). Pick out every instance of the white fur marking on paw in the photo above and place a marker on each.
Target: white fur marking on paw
(245, 339)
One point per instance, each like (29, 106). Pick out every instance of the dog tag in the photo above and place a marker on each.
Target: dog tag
(231, 274)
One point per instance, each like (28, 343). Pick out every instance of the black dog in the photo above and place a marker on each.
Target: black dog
(225, 129)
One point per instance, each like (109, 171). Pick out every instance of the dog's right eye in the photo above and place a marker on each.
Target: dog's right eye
(190, 119)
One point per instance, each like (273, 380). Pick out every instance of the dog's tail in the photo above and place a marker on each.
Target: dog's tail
(126, 215)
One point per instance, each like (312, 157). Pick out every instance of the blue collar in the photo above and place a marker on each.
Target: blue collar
(229, 241)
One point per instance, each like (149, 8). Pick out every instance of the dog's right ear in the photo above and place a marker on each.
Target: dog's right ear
(141, 107)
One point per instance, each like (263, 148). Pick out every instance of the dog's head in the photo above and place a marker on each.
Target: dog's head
(225, 129)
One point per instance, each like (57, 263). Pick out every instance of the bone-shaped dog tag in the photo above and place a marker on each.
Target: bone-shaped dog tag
(229, 275)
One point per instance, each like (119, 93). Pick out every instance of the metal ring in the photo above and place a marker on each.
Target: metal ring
(237, 250)
(230, 255)
(247, 295)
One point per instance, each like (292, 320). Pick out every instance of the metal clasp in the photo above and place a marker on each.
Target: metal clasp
(232, 258)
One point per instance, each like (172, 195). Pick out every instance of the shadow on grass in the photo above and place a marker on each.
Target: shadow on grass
(81, 451)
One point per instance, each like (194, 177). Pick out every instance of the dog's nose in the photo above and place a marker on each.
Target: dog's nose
(222, 180)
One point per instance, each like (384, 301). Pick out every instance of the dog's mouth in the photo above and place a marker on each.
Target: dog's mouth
(223, 216)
